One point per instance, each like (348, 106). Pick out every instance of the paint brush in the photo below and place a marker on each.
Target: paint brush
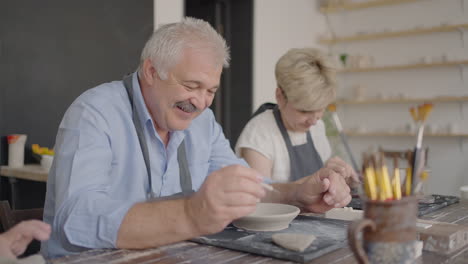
(369, 178)
(418, 156)
(423, 175)
(396, 180)
(339, 127)
(408, 173)
(387, 187)
(416, 159)
(268, 187)
(267, 184)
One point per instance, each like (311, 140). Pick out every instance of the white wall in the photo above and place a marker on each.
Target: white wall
(283, 24)
(167, 11)
(280, 25)
(448, 156)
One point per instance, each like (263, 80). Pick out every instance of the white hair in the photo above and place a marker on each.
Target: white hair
(167, 43)
(307, 78)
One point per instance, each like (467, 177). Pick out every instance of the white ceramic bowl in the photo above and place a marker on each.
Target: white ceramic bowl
(268, 217)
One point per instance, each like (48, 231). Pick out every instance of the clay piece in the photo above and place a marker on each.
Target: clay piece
(268, 217)
(346, 213)
(291, 241)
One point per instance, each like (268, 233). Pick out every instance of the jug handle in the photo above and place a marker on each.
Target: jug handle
(353, 231)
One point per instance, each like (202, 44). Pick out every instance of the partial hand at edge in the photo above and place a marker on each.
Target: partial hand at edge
(15, 241)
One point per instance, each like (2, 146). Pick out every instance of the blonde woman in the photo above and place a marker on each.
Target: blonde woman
(287, 142)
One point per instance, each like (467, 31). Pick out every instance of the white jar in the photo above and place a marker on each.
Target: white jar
(16, 144)
(46, 161)
(464, 193)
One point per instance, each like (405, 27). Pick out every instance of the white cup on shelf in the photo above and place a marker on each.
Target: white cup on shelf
(464, 193)
(16, 144)
(46, 161)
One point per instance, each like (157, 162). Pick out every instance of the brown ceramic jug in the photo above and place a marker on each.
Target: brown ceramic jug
(388, 232)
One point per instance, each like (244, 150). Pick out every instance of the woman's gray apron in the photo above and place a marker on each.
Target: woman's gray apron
(184, 173)
(304, 160)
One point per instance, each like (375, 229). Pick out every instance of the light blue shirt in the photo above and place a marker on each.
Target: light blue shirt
(99, 172)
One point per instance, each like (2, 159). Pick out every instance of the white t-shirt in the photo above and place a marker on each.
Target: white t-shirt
(262, 134)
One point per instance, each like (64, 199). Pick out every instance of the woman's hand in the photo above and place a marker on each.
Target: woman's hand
(344, 169)
(322, 191)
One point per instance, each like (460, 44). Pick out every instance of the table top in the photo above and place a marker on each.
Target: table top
(32, 172)
(189, 252)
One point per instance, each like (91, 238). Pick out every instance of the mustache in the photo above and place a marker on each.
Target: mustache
(187, 106)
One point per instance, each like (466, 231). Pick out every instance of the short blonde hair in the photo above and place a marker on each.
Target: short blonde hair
(307, 78)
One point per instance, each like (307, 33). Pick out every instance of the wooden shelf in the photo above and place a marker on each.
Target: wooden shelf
(395, 34)
(32, 172)
(405, 100)
(402, 134)
(363, 5)
(404, 67)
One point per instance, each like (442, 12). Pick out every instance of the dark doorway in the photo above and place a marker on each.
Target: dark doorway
(234, 20)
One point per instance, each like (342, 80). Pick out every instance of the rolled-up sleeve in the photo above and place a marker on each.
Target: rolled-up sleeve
(87, 214)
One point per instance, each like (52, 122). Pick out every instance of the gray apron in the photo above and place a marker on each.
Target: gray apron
(184, 173)
(303, 159)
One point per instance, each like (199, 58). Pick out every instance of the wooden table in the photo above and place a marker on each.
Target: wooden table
(31, 172)
(189, 252)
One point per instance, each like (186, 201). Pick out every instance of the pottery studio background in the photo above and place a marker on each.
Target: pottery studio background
(397, 56)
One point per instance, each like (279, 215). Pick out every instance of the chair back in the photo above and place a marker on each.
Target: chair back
(9, 218)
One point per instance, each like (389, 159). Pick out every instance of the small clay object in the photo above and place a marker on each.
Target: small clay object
(291, 241)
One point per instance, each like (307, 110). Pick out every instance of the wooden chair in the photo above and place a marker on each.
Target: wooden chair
(9, 218)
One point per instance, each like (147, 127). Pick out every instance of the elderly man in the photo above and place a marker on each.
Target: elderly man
(142, 162)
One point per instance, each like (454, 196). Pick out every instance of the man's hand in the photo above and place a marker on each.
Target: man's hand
(344, 169)
(15, 241)
(322, 191)
(227, 194)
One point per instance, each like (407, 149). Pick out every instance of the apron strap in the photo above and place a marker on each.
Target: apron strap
(139, 130)
(263, 108)
(184, 172)
(282, 129)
